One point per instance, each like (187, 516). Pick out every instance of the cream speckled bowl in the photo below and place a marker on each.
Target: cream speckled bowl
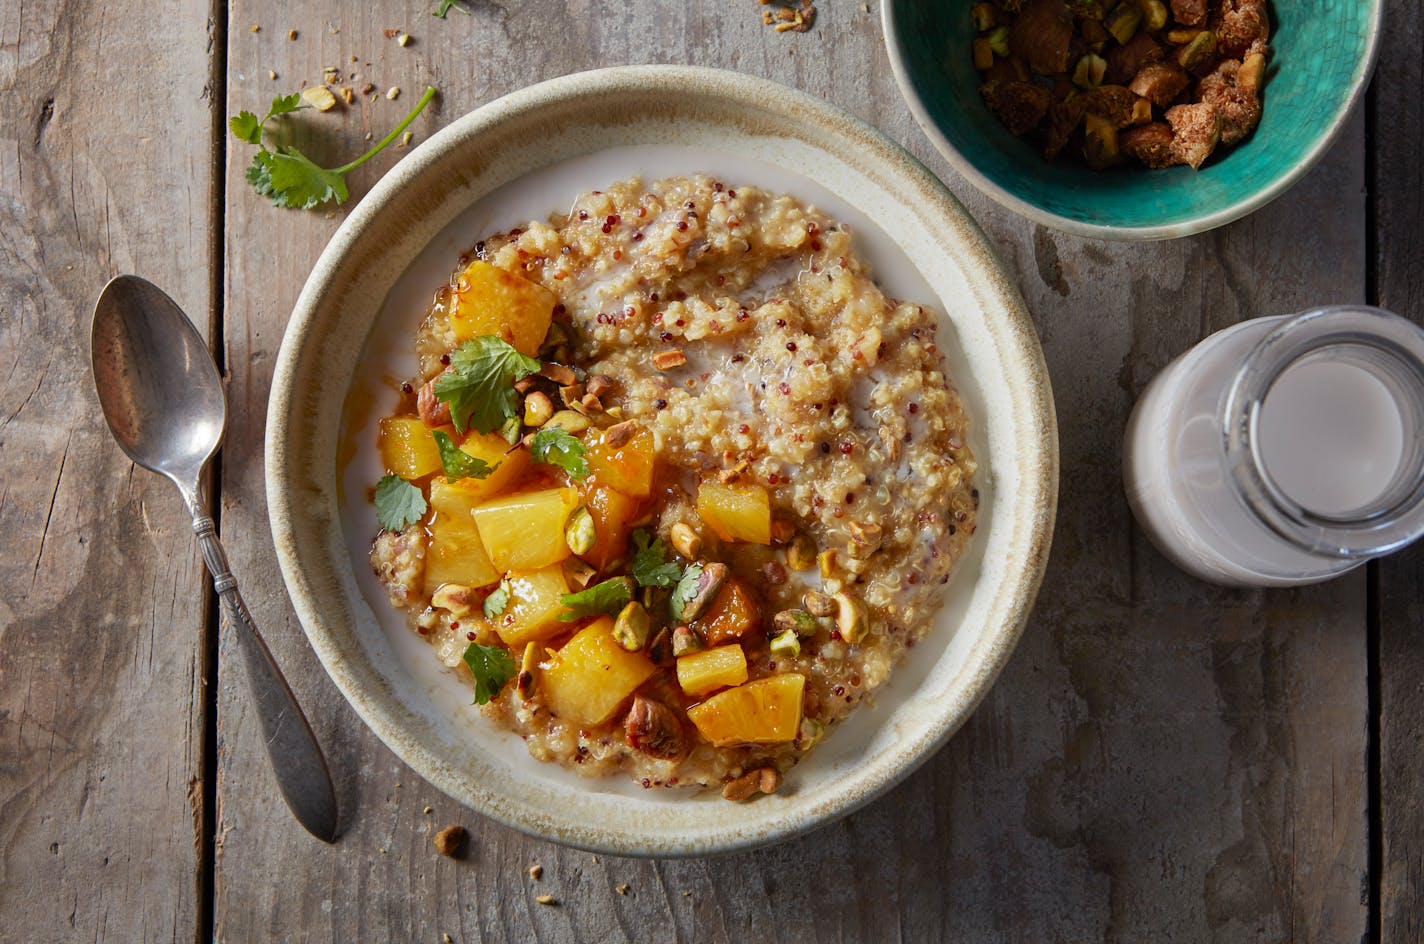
(525, 154)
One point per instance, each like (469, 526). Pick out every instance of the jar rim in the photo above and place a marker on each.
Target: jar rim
(1393, 345)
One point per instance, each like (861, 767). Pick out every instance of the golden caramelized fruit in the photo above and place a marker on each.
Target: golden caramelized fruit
(627, 468)
(707, 671)
(734, 613)
(407, 447)
(613, 515)
(767, 711)
(491, 449)
(490, 301)
(591, 676)
(736, 512)
(534, 606)
(525, 531)
(456, 554)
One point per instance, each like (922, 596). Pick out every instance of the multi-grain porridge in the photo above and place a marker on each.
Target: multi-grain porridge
(676, 485)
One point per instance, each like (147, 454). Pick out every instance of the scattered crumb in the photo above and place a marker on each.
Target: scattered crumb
(428, 810)
(353, 55)
(255, 27)
(447, 938)
(407, 138)
(535, 871)
(546, 899)
(621, 889)
(403, 39)
(450, 841)
(595, 860)
(795, 16)
(370, 136)
(383, 852)
(319, 97)
(686, 893)
(347, 95)
(292, 35)
(271, 75)
(367, 89)
(390, 33)
(393, 92)
(865, 8)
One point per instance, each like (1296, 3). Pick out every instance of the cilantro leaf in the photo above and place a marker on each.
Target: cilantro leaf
(286, 175)
(399, 504)
(685, 590)
(299, 184)
(602, 598)
(491, 666)
(498, 600)
(246, 127)
(445, 6)
(651, 567)
(559, 447)
(459, 464)
(479, 386)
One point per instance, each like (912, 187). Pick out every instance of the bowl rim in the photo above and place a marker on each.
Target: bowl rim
(290, 500)
(1360, 82)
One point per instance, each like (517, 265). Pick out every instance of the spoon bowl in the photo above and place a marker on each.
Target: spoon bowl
(158, 386)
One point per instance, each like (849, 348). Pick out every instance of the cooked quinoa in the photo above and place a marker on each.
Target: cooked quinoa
(798, 374)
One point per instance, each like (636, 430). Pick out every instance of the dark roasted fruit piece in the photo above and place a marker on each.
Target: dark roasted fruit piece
(1150, 144)
(1160, 83)
(1020, 106)
(1042, 35)
(1234, 90)
(1196, 130)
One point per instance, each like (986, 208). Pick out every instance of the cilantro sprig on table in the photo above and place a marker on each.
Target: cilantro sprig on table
(459, 464)
(399, 504)
(491, 666)
(289, 177)
(605, 598)
(561, 448)
(479, 384)
(651, 567)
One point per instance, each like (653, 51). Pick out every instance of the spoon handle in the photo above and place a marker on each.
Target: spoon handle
(296, 756)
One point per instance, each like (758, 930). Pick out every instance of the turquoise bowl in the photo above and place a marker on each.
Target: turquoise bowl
(1323, 52)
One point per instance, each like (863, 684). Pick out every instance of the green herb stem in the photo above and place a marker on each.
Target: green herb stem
(395, 133)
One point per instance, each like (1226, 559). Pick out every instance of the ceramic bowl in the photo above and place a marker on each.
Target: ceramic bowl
(525, 156)
(1323, 53)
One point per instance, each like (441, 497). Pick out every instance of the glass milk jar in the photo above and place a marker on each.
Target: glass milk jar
(1284, 450)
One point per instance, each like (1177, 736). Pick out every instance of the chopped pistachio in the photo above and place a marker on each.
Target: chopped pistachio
(393, 92)
(1124, 22)
(785, 645)
(456, 598)
(851, 620)
(569, 421)
(999, 41)
(1154, 13)
(865, 539)
(1199, 52)
(685, 640)
(801, 553)
(810, 735)
(580, 533)
(632, 627)
(704, 590)
(798, 622)
(538, 409)
(685, 541)
(578, 573)
(1089, 71)
(319, 97)
(818, 603)
(826, 561)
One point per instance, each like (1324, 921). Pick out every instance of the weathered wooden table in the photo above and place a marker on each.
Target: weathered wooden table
(1161, 761)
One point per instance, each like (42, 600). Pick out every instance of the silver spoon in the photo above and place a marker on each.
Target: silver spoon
(164, 401)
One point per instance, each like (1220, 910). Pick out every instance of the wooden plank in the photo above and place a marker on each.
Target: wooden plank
(1161, 761)
(102, 595)
(1397, 104)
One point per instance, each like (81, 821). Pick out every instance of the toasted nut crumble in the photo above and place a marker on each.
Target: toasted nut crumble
(393, 92)
(818, 603)
(762, 780)
(292, 35)
(667, 360)
(319, 97)
(652, 728)
(535, 871)
(545, 899)
(619, 436)
(621, 889)
(347, 95)
(728, 476)
(450, 841)
(685, 541)
(403, 39)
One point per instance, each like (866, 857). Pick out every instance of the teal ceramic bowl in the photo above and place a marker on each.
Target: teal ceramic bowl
(1323, 52)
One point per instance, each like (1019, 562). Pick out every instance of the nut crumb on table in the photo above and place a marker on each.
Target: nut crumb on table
(450, 841)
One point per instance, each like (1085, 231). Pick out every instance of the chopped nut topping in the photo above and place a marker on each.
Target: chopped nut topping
(558, 373)
(762, 780)
(599, 384)
(621, 889)
(651, 727)
(403, 39)
(728, 476)
(292, 35)
(685, 540)
(546, 899)
(667, 360)
(535, 871)
(393, 92)
(619, 436)
(450, 841)
(319, 97)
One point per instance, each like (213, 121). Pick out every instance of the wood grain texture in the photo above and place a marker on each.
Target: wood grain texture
(1398, 199)
(102, 596)
(1161, 760)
